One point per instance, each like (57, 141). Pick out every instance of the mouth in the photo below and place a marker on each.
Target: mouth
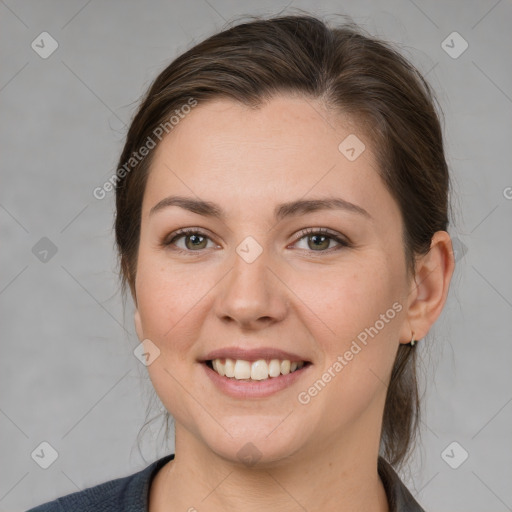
(242, 379)
(250, 371)
(254, 373)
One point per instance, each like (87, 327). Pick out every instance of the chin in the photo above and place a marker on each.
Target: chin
(256, 443)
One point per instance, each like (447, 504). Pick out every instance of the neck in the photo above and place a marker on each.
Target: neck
(329, 477)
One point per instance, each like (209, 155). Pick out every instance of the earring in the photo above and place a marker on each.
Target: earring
(413, 341)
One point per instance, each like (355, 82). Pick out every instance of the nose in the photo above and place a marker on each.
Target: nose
(252, 295)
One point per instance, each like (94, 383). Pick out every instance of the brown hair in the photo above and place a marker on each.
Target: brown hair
(352, 73)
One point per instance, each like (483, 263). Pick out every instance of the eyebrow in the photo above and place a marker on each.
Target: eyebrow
(292, 208)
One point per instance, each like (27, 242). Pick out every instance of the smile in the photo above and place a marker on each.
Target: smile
(258, 370)
(242, 379)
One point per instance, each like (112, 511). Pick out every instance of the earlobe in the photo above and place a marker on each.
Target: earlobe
(429, 288)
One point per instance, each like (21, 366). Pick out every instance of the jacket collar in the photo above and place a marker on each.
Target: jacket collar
(399, 497)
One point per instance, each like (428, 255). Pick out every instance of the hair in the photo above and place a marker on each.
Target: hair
(352, 73)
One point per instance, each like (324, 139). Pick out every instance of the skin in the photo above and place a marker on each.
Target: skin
(294, 296)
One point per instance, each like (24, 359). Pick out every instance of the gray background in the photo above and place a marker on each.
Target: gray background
(68, 373)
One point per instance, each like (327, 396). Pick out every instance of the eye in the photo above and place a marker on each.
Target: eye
(319, 240)
(193, 239)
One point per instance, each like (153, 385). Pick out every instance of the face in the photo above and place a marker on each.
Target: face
(323, 286)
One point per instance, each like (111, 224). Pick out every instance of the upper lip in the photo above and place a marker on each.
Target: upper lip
(252, 354)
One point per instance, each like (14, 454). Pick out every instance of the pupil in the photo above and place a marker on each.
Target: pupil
(195, 239)
(316, 237)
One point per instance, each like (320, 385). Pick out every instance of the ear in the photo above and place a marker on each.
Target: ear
(429, 288)
(138, 324)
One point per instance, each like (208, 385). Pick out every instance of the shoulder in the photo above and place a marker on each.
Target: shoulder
(127, 494)
(399, 497)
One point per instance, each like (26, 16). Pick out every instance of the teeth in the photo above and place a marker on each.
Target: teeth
(242, 369)
(219, 368)
(229, 367)
(274, 368)
(257, 370)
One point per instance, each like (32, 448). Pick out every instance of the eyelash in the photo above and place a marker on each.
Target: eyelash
(304, 233)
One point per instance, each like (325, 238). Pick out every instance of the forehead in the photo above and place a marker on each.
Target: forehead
(287, 148)
(283, 124)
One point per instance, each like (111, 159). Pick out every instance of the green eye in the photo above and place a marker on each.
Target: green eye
(194, 240)
(318, 240)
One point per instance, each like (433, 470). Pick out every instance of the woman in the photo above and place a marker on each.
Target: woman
(282, 206)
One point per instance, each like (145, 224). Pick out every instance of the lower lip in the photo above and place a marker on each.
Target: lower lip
(253, 388)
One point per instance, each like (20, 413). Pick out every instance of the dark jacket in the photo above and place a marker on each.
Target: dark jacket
(131, 493)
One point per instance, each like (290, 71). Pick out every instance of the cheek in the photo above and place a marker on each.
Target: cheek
(346, 299)
(166, 300)
(169, 301)
(355, 314)
(361, 314)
